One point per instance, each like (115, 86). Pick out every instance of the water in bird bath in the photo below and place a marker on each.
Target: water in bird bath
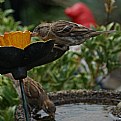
(94, 106)
(80, 112)
(83, 112)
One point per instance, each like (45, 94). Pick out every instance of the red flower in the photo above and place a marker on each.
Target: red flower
(81, 14)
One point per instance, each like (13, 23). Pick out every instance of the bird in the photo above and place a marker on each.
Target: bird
(65, 32)
(36, 96)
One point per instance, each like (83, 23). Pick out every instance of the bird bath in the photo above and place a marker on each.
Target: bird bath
(82, 105)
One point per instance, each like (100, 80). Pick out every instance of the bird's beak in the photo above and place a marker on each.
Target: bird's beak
(52, 115)
(34, 34)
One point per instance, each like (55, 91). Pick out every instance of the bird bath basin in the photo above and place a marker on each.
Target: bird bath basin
(80, 112)
(82, 105)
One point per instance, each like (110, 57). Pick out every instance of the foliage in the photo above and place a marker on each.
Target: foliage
(1, 1)
(109, 7)
(7, 23)
(7, 114)
(75, 70)
(8, 99)
(36, 11)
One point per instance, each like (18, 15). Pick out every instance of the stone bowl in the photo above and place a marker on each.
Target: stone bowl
(84, 105)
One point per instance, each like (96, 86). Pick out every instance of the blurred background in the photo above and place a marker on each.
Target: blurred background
(36, 11)
(96, 64)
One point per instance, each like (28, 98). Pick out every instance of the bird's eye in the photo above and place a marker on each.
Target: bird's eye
(49, 111)
(38, 28)
(67, 28)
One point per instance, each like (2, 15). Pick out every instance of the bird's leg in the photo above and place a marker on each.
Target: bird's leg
(61, 47)
(35, 114)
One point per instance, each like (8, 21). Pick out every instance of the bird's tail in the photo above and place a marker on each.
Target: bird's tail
(96, 33)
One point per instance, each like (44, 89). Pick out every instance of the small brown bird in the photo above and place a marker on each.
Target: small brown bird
(37, 98)
(65, 32)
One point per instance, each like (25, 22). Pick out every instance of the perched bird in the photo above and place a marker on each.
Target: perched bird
(65, 32)
(37, 98)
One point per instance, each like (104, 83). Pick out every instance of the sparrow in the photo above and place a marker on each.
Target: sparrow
(65, 32)
(36, 96)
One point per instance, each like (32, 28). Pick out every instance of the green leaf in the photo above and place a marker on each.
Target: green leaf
(110, 26)
(7, 12)
(1, 1)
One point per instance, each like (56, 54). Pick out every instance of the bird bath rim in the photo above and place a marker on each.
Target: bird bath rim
(78, 99)
(101, 97)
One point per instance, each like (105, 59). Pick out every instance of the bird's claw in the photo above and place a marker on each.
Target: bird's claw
(36, 116)
(61, 47)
